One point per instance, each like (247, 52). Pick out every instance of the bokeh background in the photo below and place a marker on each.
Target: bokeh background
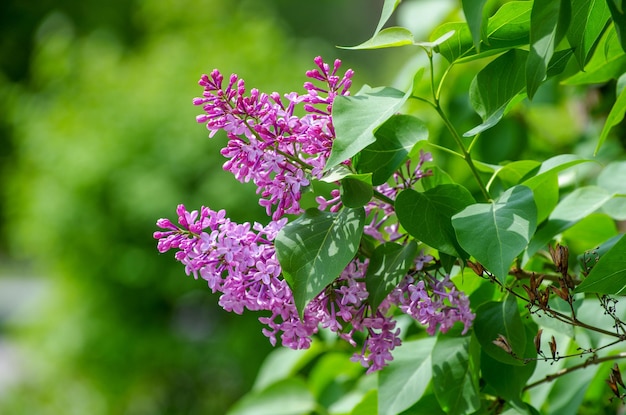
(97, 141)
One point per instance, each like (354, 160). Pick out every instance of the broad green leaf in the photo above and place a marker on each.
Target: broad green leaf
(405, 380)
(287, 397)
(388, 8)
(474, 14)
(575, 206)
(548, 20)
(282, 363)
(607, 62)
(619, 22)
(507, 28)
(427, 405)
(387, 267)
(394, 141)
(590, 19)
(506, 379)
(427, 216)
(387, 38)
(514, 173)
(315, 248)
(357, 117)
(589, 232)
(330, 374)
(552, 166)
(497, 232)
(368, 405)
(501, 318)
(356, 190)
(613, 179)
(608, 276)
(437, 178)
(454, 379)
(495, 86)
(615, 117)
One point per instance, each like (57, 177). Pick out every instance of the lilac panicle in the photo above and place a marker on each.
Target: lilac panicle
(268, 144)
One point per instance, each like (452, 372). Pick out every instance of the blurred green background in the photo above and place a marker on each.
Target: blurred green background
(97, 141)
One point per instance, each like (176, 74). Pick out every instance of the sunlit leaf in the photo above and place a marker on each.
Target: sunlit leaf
(507, 28)
(287, 397)
(388, 265)
(575, 206)
(613, 179)
(607, 62)
(614, 118)
(315, 248)
(608, 276)
(454, 382)
(357, 117)
(506, 226)
(405, 380)
(386, 38)
(388, 8)
(394, 141)
(427, 216)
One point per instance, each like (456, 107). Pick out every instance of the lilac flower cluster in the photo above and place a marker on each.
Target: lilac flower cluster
(281, 152)
(268, 144)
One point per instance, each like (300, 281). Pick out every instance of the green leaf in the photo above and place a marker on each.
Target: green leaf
(495, 87)
(590, 18)
(474, 14)
(495, 318)
(356, 190)
(608, 276)
(553, 166)
(507, 28)
(387, 38)
(394, 141)
(427, 216)
(613, 179)
(454, 381)
(607, 62)
(506, 379)
(283, 363)
(547, 22)
(287, 397)
(406, 378)
(315, 248)
(614, 118)
(495, 233)
(388, 265)
(355, 119)
(575, 206)
(388, 8)
(368, 405)
(619, 22)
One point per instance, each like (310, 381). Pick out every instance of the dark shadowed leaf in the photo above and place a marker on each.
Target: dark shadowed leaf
(315, 248)
(388, 265)
(427, 216)
(608, 276)
(590, 19)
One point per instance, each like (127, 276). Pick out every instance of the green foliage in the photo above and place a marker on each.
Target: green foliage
(315, 248)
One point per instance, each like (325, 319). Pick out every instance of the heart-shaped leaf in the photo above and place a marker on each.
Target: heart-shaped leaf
(315, 248)
(608, 276)
(495, 233)
(427, 216)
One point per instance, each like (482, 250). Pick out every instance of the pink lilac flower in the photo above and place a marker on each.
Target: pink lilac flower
(268, 144)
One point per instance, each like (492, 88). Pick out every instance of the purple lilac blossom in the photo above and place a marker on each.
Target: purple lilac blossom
(269, 145)
(280, 153)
